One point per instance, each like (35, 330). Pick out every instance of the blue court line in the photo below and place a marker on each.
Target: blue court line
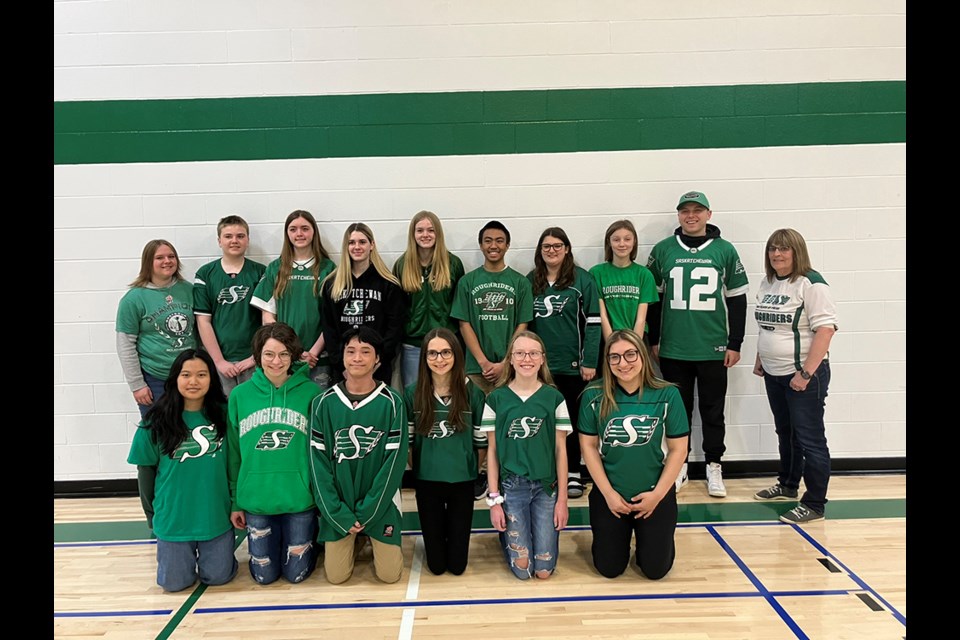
(819, 547)
(104, 614)
(770, 598)
(62, 545)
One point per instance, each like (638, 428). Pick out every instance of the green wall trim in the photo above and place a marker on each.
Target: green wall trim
(479, 122)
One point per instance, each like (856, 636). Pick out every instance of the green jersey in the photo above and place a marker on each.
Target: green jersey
(192, 499)
(568, 322)
(429, 309)
(526, 432)
(633, 439)
(299, 306)
(226, 299)
(445, 455)
(359, 452)
(694, 282)
(162, 319)
(493, 303)
(623, 290)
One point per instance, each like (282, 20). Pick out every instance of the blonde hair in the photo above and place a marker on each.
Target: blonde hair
(508, 372)
(440, 278)
(342, 277)
(145, 276)
(801, 257)
(647, 376)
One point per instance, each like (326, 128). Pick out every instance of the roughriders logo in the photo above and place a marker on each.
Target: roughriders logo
(274, 440)
(203, 440)
(354, 308)
(493, 301)
(738, 269)
(630, 431)
(355, 442)
(232, 295)
(525, 427)
(176, 323)
(549, 306)
(440, 430)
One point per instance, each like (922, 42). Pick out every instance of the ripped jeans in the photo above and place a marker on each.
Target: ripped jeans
(283, 543)
(530, 535)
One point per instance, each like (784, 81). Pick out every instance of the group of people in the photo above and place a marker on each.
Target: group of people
(515, 388)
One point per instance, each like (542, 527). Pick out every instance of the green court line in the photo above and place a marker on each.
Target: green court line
(712, 512)
(479, 122)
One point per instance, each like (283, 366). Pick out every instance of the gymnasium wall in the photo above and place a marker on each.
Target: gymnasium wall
(168, 116)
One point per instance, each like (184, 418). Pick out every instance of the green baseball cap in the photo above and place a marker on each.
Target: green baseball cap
(693, 196)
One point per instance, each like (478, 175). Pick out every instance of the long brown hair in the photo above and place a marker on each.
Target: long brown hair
(146, 263)
(287, 253)
(423, 400)
(566, 275)
(342, 277)
(508, 373)
(616, 226)
(801, 257)
(440, 262)
(647, 376)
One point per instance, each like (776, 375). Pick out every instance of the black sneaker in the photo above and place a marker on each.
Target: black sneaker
(574, 487)
(776, 492)
(480, 486)
(801, 514)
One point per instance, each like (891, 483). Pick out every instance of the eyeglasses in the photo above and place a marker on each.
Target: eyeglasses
(629, 356)
(773, 248)
(533, 355)
(446, 354)
(270, 355)
(553, 247)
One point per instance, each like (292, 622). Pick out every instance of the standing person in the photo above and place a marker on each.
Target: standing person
(528, 454)
(428, 275)
(797, 319)
(626, 288)
(566, 315)
(698, 329)
(290, 290)
(359, 449)
(154, 322)
(493, 303)
(182, 476)
(633, 433)
(269, 448)
(444, 409)
(222, 290)
(361, 291)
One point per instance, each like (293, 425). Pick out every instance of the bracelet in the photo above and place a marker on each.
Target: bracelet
(494, 499)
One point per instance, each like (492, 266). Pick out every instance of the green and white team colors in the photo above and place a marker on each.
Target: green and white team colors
(300, 304)
(359, 451)
(568, 322)
(633, 439)
(226, 299)
(623, 290)
(162, 320)
(694, 282)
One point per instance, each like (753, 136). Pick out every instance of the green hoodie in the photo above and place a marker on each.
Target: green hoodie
(268, 440)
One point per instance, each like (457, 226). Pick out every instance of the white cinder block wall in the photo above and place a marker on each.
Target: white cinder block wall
(847, 199)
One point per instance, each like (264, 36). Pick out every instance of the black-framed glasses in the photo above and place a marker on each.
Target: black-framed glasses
(446, 354)
(630, 356)
(773, 248)
(558, 246)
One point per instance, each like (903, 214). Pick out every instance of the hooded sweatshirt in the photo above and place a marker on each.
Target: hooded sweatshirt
(268, 440)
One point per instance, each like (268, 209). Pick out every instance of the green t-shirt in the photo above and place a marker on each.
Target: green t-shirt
(695, 282)
(633, 439)
(493, 304)
(623, 290)
(525, 430)
(445, 455)
(429, 309)
(300, 306)
(162, 319)
(226, 299)
(568, 322)
(192, 498)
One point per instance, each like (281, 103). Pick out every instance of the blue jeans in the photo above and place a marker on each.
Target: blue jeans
(156, 388)
(798, 416)
(530, 532)
(283, 543)
(179, 563)
(409, 364)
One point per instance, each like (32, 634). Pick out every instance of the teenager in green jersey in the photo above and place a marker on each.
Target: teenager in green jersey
(528, 453)
(359, 448)
(181, 459)
(566, 315)
(269, 447)
(290, 290)
(633, 433)
(154, 322)
(444, 409)
(222, 290)
(428, 275)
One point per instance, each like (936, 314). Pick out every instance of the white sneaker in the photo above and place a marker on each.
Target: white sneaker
(715, 486)
(682, 477)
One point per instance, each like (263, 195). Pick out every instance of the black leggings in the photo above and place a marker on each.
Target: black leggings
(611, 537)
(571, 387)
(446, 515)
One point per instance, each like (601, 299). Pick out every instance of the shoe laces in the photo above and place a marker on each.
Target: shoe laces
(801, 511)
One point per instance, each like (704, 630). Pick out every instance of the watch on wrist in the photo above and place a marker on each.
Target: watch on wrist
(494, 499)
(805, 375)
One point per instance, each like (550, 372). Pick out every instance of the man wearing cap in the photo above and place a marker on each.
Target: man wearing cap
(703, 291)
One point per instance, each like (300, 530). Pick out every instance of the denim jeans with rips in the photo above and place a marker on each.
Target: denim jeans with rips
(282, 544)
(530, 534)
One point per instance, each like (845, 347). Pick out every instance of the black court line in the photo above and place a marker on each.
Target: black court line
(832, 568)
(870, 602)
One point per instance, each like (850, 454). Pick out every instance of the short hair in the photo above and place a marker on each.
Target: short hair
(281, 332)
(801, 256)
(493, 224)
(229, 220)
(364, 334)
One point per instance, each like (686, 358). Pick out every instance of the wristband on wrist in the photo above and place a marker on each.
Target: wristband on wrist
(494, 498)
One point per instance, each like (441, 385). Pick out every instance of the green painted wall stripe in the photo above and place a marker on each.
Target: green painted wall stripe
(479, 122)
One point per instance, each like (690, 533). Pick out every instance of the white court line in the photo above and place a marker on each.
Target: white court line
(413, 590)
